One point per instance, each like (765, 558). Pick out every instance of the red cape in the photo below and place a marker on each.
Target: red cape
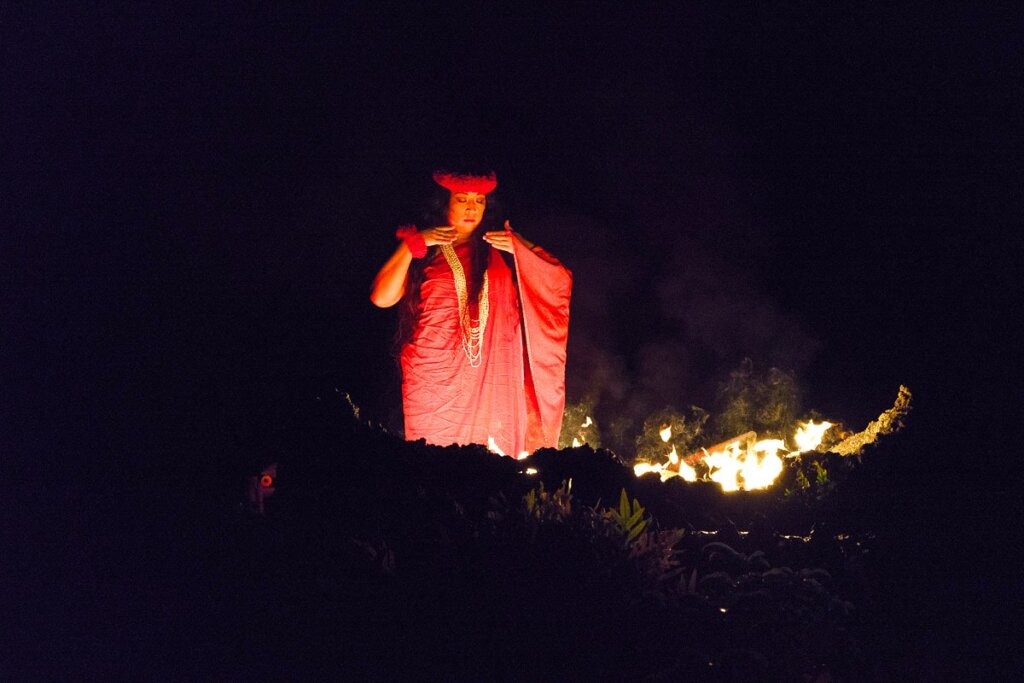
(517, 394)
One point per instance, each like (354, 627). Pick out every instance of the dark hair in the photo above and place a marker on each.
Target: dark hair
(436, 213)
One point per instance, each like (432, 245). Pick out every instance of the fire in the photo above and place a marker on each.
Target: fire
(579, 440)
(682, 469)
(687, 472)
(809, 435)
(760, 472)
(644, 467)
(725, 466)
(741, 463)
(493, 448)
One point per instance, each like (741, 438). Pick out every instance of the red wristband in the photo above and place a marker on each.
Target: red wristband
(413, 239)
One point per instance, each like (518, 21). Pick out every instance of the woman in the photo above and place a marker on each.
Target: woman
(485, 320)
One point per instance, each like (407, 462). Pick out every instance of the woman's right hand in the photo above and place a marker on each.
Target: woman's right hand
(443, 234)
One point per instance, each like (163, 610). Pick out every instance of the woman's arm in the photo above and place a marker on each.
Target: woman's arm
(389, 286)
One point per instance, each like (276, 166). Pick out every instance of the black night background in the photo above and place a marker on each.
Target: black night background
(195, 200)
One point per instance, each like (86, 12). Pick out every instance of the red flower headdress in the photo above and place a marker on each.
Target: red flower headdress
(464, 182)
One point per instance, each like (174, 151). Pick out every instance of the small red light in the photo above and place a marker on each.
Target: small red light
(266, 481)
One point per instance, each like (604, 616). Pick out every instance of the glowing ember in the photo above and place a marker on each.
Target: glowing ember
(530, 470)
(523, 455)
(576, 442)
(666, 433)
(587, 422)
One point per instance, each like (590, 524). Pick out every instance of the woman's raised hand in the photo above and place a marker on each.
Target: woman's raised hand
(502, 239)
(442, 234)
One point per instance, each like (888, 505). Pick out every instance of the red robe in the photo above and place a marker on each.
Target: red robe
(517, 394)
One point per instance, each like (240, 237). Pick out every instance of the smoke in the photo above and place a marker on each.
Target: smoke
(689, 338)
(722, 312)
(766, 403)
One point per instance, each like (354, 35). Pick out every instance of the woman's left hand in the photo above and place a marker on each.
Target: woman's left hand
(502, 239)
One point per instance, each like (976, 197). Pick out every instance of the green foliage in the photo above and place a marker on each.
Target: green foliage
(821, 474)
(542, 505)
(629, 519)
(620, 540)
(813, 481)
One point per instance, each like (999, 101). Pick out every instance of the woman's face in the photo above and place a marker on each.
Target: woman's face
(465, 211)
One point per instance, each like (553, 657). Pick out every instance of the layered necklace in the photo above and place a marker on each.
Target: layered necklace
(472, 335)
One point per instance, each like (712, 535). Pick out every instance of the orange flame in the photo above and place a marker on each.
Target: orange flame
(736, 465)
(581, 439)
(493, 447)
(808, 436)
(681, 468)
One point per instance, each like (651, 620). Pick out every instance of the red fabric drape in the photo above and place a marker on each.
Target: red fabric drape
(545, 287)
(517, 394)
